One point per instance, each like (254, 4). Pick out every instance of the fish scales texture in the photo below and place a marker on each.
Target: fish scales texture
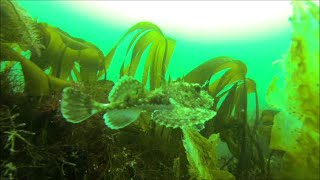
(182, 117)
(186, 94)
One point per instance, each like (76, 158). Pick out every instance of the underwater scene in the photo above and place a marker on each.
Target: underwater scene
(143, 90)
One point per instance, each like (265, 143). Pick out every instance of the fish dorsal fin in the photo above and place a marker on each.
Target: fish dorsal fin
(117, 119)
(126, 87)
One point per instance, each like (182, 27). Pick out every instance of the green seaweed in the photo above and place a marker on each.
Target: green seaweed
(144, 149)
(296, 127)
(158, 58)
(201, 154)
(230, 94)
(18, 27)
(63, 51)
(37, 83)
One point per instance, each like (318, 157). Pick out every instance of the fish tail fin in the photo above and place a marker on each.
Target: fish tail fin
(77, 107)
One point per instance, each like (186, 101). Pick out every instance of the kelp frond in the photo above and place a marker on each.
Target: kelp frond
(63, 52)
(202, 156)
(296, 128)
(235, 71)
(230, 91)
(18, 27)
(37, 83)
(158, 58)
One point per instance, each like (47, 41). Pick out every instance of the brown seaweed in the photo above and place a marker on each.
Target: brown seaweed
(159, 55)
(18, 27)
(37, 83)
(63, 51)
(231, 120)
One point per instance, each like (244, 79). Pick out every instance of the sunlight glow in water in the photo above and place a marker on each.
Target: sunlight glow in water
(200, 19)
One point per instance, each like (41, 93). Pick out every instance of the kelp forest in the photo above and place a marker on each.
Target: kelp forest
(38, 61)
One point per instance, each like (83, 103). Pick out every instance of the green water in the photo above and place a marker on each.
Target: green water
(257, 51)
(53, 128)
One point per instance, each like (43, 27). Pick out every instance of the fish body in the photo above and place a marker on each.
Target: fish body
(174, 104)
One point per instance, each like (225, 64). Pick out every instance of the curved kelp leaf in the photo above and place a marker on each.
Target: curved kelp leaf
(205, 71)
(37, 83)
(18, 27)
(235, 71)
(230, 91)
(142, 26)
(149, 61)
(140, 46)
(63, 50)
(158, 57)
(231, 123)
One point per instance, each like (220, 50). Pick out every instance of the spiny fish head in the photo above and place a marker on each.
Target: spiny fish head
(187, 94)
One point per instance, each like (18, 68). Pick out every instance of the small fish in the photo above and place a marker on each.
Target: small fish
(174, 104)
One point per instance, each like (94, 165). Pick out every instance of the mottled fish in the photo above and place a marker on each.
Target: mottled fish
(174, 104)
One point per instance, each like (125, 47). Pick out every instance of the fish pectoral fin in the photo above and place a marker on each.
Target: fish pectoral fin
(117, 119)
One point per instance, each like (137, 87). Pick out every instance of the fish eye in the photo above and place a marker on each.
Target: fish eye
(197, 88)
